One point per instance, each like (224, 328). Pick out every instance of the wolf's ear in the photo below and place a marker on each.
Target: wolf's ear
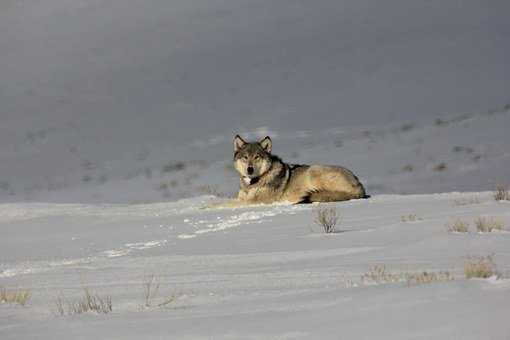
(266, 144)
(239, 143)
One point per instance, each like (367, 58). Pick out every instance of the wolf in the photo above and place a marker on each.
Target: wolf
(265, 178)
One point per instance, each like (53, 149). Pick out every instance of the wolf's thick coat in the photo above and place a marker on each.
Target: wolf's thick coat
(265, 178)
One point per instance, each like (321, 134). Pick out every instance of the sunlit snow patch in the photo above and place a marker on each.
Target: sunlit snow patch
(248, 217)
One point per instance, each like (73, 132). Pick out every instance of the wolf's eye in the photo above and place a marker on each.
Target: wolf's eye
(256, 157)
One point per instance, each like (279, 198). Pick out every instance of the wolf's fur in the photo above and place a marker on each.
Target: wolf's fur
(265, 178)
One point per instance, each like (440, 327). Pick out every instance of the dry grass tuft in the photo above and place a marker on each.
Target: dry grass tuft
(440, 167)
(408, 168)
(151, 289)
(488, 224)
(327, 218)
(428, 277)
(19, 296)
(410, 218)
(151, 286)
(378, 274)
(89, 302)
(457, 226)
(501, 193)
(480, 266)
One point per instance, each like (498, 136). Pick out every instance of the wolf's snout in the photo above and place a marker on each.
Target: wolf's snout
(249, 170)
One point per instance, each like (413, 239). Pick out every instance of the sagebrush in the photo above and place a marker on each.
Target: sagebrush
(410, 218)
(18, 295)
(428, 277)
(151, 285)
(327, 218)
(457, 226)
(480, 266)
(380, 275)
(89, 302)
(488, 224)
(501, 193)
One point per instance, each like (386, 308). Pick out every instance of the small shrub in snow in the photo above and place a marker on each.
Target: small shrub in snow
(151, 290)
(326, 218)
(501, 193)
(410, 218)
(378, 274)
(89, 302)
(480, 266)
(5, 186)
(173, 167)
(440, 167)
(408, 168)
(427, 277)
(463, 149)
(488, 224)
(86, 178)
(457, 226)
(19, 296)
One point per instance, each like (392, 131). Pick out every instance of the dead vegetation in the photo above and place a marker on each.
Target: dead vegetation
(151, 289)
(428, 277)
(465, 149)
(173, 167)
(151, 285)
(89, 302)
(440, 167)
(482, 224)
(410, 218)
(18, 296)
(408, 168)
(457, 226)
(327, 218)
(488, 224)
(380, 275)
(480, 267)
(501, 193)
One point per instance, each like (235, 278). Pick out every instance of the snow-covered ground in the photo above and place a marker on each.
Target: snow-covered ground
(116, 126)
(264, 272)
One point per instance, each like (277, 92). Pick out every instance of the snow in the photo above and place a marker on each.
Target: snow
(256, 272)
(116, 127)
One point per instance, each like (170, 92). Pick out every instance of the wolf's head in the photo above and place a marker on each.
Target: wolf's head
(252, 160)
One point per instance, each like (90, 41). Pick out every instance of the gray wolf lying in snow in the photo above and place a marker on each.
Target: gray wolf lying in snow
(265, 178)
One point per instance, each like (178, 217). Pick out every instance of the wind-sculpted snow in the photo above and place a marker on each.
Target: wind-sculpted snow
(257, 272)
(17, 212)
(232, 221)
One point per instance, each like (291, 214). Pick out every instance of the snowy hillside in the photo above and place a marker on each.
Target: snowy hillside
(116, 127)
(256, 273)
(466, 152)
(94, 90)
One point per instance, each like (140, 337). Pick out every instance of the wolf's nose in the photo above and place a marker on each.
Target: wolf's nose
(249, 170)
